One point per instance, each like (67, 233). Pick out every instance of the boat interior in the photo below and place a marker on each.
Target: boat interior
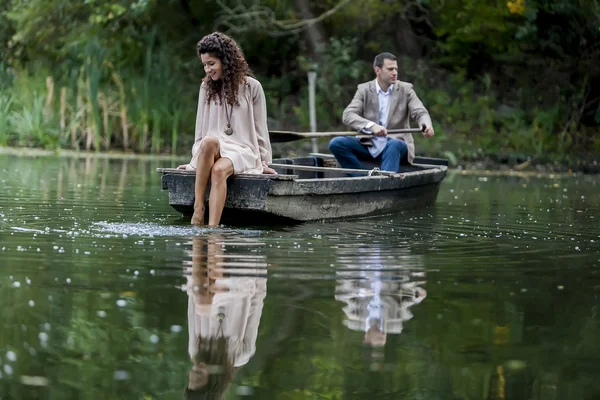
(319, 165)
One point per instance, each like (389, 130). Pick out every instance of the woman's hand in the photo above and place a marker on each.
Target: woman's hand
(268, 170)
(185, 166)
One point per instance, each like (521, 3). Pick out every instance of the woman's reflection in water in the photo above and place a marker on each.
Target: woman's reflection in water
(224, 308)
(378, 300)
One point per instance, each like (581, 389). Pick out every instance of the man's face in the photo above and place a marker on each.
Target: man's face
(388, 73)
(375, 338)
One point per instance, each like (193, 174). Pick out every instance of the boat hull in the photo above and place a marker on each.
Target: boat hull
(265, 198)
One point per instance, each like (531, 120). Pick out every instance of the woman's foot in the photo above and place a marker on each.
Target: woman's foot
(198, 217)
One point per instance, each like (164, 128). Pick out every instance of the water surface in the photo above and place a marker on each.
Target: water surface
(493, 293)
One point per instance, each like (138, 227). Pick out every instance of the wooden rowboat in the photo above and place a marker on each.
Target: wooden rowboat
(314, 188)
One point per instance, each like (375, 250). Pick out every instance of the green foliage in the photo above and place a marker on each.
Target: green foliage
(499, 76)
(6, 101)
(32, 126)
(53, 29)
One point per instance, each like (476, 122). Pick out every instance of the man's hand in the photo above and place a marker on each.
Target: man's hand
(378, 130)
(427, 130)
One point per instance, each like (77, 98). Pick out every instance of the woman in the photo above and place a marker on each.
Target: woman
(225, 304)
(231, 125)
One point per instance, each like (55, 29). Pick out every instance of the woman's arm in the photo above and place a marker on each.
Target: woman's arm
(260, 124)
(200, 113)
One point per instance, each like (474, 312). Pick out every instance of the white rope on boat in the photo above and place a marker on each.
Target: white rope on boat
(375, 172)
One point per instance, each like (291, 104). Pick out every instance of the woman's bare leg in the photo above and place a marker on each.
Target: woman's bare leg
(221, 170)
(209, 154)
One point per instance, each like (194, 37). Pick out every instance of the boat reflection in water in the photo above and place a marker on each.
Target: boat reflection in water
(226, 293)
(377, 301)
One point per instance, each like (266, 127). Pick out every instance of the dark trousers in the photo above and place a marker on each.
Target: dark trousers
(350, 152)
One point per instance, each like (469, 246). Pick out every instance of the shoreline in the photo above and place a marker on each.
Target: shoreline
(531, 166)
(35, 152)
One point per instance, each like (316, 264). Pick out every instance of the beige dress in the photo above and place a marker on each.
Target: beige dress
(249, 145)
(236, 308)
(240, 304)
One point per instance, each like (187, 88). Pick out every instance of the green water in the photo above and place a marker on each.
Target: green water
(493, 293)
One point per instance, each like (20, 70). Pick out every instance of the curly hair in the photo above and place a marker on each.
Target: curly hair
(235, 67)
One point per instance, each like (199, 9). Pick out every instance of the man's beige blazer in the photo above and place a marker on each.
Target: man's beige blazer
(404, 105)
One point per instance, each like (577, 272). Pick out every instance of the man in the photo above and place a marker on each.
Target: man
(382, 104)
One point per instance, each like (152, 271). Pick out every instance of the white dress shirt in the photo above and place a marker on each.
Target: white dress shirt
(379, 142)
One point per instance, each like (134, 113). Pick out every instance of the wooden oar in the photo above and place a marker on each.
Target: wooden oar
(289, 136)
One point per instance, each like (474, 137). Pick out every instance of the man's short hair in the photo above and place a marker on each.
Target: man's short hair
(383, 56)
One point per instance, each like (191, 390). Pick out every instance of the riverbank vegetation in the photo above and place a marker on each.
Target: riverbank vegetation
(517, 79)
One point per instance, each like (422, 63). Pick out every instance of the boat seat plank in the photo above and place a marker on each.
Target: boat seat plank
(278, 177)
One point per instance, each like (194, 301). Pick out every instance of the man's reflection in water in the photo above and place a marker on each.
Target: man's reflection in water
(226, 294)
(378, 300)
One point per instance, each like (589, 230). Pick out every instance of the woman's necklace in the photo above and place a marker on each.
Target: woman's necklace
(228, 114)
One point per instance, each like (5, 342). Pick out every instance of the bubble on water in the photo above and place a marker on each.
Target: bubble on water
(43, 336)
(153, 339)
(68, 280)
(577, 248)
(121, 375)
(47, 326)
(17, 284)
(8, 369)
(55, 247)
(101, 313)
(31, 303)
(121, 303)
(176, 328)
(560, 287)
(152, 272)
(136, 273)
(11, 356)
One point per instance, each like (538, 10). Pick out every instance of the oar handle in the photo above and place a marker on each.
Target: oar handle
(332, 134)
(409, 130)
